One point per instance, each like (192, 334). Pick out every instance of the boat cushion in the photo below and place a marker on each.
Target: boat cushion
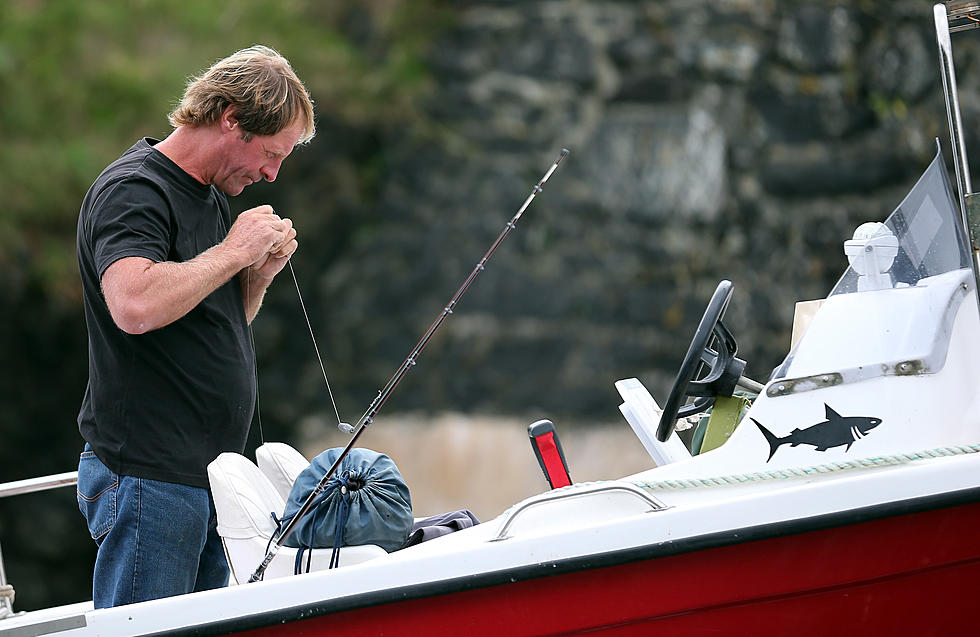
(281, 464)
(244, 499)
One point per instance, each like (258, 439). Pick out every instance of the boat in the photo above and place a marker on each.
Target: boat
(840, 496)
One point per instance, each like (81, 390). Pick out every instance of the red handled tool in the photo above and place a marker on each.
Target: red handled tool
(547, 448)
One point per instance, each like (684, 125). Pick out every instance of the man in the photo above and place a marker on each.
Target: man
(170, 286)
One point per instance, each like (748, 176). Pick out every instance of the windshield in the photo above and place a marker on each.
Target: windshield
(923, 238)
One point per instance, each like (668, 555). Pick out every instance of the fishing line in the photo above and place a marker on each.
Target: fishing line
(319, 359)
(385, 392)
(309, 326)
(255, 362)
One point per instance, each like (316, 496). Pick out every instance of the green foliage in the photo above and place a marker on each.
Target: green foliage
(81, 81)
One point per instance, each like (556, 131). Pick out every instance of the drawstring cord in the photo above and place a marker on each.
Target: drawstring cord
(342, 515)
(347, 484)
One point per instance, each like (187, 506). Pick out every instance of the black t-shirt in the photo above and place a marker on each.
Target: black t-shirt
(164, 404)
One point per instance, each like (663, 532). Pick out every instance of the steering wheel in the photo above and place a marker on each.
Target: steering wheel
(724, 369)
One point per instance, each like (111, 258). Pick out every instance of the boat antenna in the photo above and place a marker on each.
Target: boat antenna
(368, 417)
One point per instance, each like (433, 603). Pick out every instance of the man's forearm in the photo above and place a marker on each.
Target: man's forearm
(143, 295)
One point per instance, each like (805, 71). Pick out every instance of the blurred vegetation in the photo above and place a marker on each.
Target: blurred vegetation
(82, 80)
(79, 83)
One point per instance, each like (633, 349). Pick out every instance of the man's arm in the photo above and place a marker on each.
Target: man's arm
(143, 295)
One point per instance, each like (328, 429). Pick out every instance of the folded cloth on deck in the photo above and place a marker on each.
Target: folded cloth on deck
(438, 525)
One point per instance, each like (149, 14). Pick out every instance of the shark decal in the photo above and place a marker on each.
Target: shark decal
(837, 430)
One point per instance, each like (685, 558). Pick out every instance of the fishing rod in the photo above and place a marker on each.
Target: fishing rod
(368, 417)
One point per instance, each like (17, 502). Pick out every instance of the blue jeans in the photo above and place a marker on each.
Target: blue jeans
(155, 539)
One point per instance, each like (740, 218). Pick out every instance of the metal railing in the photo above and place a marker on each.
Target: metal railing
(577, 491)
(20, 487)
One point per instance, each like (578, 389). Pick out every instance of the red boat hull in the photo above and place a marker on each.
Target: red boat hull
(914, 574)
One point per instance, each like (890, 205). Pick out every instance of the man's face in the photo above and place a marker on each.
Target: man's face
(259, 158)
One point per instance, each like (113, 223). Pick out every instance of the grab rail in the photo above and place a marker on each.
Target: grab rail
(31, 485)
(576, 491)
(20, 487)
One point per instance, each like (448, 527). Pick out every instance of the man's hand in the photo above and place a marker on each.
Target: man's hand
(255, 224)
(264, 240)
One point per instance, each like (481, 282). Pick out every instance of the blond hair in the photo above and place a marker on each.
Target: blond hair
(261, 86)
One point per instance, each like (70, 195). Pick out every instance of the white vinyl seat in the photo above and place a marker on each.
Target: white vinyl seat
(244, 500)
(281, 464)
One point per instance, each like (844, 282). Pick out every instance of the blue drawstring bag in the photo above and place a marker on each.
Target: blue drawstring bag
(365, 502)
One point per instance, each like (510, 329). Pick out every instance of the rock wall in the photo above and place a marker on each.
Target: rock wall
(737, 139)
